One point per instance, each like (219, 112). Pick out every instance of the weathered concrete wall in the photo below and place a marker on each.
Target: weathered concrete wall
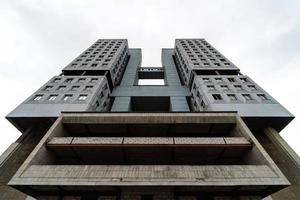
(11, 160)
(286, 159)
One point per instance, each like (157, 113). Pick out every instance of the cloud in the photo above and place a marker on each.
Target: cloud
(38, 38)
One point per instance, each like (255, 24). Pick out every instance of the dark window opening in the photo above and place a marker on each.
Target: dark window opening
(156, 104)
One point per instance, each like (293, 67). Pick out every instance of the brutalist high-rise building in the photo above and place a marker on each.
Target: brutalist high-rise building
(95, 132)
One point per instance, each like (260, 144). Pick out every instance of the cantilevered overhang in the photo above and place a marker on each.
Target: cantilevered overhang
(43, 172)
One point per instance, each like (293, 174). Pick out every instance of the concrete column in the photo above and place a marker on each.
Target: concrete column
(287, 160)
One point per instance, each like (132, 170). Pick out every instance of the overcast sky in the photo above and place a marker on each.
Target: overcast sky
(38, 38)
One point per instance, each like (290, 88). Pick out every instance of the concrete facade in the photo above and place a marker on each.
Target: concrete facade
(93, 132)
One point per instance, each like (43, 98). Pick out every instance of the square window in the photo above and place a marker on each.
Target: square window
(218, 79)
(247, 96)
(81, 80)
(94, 80)
(89, 87)
(82, 97)
(217, 96)
(47, 88)
(69, 80)
(52, 97)
(38, 97)
(61, 88)
(101, 95)
(56, 80)
(105, 87)
(262, 96)
(238, 87)
(232, 97)
(210, 87)
(231, 80)
(202, 104)
(224, 87)
(244, 80)
(104, 104)
(67, 97)
(74, 88)
(252, 87)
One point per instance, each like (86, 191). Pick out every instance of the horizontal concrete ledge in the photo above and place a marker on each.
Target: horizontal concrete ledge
(149, 118)
(155, 175)
(148, 142)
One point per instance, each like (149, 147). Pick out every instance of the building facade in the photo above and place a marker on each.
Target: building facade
(207, 132)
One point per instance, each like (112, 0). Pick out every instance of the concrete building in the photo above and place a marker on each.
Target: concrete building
(207, 132)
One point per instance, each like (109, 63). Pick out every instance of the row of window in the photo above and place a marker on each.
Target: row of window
(96, 60)
(79, 80)
(203, 53)
(231, 79)
(226, 87)
(234, 97)
(98, 56)
(66, 97)
(73, 88)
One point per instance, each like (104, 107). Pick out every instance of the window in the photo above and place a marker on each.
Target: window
(205, 79)
(89, 87)
(82, 97)
(47, 88)
(252, 87)
(238, 87)
(218, 79)
(231, 80)
(262, 96)
(81, 80)
(104, 104)
(101, 94)
(210, 87)
(202, 104)
(217, 96)
(105, 87)
(224, 87)
(38, 97)
(74, 88)
(67, 97)
(247, 96)
(94, 80)
(232, 97)
(56, 80)
(69, 80)
(52, 97)
(61, 88)
(244, 80)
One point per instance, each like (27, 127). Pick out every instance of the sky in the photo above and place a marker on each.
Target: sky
(38, 38)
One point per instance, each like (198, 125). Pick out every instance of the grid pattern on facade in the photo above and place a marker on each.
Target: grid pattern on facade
(197, 54)
(104, 55)
(226, 89)
(91, 90)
